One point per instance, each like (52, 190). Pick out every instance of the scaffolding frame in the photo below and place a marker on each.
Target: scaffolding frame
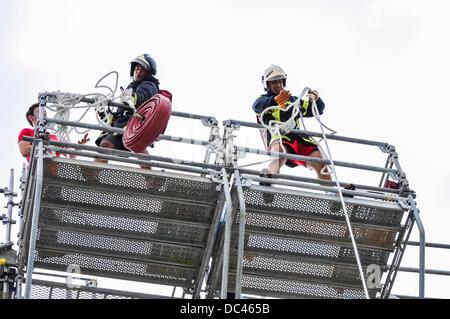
(232, 181)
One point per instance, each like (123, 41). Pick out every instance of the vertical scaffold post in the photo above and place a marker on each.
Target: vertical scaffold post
(19, 276)
(240, 255)
(421, 249)
(10, 205)
(35, 217)
(39, 133)
(226, 246)
(213, 134)
(9, 221)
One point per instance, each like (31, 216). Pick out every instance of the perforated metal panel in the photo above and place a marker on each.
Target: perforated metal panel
(43, 289)
(318, 229)
(294, 247)
(124, 223)
(297, 246)
(295, 289)
(120, 268)
(271, 265)
(367, 211)
(114, 178)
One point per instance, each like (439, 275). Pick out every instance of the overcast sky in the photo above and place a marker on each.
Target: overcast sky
(381, 68)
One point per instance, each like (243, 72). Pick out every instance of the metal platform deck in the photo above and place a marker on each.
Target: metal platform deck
(125, 223)
(295, 246)
(42, 289)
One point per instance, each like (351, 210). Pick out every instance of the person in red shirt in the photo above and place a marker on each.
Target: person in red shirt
(31, 116)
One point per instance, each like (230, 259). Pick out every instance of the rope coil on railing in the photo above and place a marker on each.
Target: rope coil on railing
(62, 102)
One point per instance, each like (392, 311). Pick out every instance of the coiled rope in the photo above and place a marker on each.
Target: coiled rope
(63, 102)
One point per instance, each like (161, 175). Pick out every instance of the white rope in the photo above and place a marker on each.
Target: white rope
(66, 101)
(355, 248)
(326, 170)
(277, 127)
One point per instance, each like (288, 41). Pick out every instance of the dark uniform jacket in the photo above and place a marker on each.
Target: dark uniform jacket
(267, 100)
(143, 90)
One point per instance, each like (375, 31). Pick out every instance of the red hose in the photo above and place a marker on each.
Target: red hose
(149, 121)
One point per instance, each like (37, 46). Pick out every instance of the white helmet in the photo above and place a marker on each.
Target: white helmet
(273, 72)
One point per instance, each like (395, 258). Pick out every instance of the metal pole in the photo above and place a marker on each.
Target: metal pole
(35, 218)
(427, 271)
(109, 129)
(210, 245)
(431, 245)
(329, 136)
(321, 188)
(10, 206)
(240, 255)
(421, 249)
(226, 247)
(103, 150)
(20, 214)
(318, 181)
(174, 113)
(316, 160)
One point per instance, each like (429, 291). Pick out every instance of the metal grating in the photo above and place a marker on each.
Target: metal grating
(295, 289)
(115, 268)
(93, 174)
(120, 247)
(124, 223)
(319, 229)
(43, 289)
(128, 226)
(367, 211)
(299, 248)
(271, 265)
(80, 195)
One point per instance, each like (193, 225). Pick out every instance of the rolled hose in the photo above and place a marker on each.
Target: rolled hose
(147, 123)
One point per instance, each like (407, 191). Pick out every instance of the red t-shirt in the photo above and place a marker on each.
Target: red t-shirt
(30, 132)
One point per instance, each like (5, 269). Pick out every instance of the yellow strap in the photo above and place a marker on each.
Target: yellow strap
(305, 106)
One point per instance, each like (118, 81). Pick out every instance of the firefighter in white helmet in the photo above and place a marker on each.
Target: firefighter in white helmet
(274, 82)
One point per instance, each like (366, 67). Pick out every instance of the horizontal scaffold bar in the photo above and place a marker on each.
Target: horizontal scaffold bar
(174, 113)
(119, 155)
(328, 136)
(242, 149)
(431, 245)
(324, 188)
(395, 172)
(121, 131)
(318, 181)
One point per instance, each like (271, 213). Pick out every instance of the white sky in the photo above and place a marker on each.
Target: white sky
(380, 66)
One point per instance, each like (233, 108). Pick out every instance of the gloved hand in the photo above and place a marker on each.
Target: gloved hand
(128, 97)
(315, 93)
(84, 140)
(282, 98)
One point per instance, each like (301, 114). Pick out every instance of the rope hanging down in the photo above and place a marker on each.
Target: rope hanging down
(347, 219)
(279, 128)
